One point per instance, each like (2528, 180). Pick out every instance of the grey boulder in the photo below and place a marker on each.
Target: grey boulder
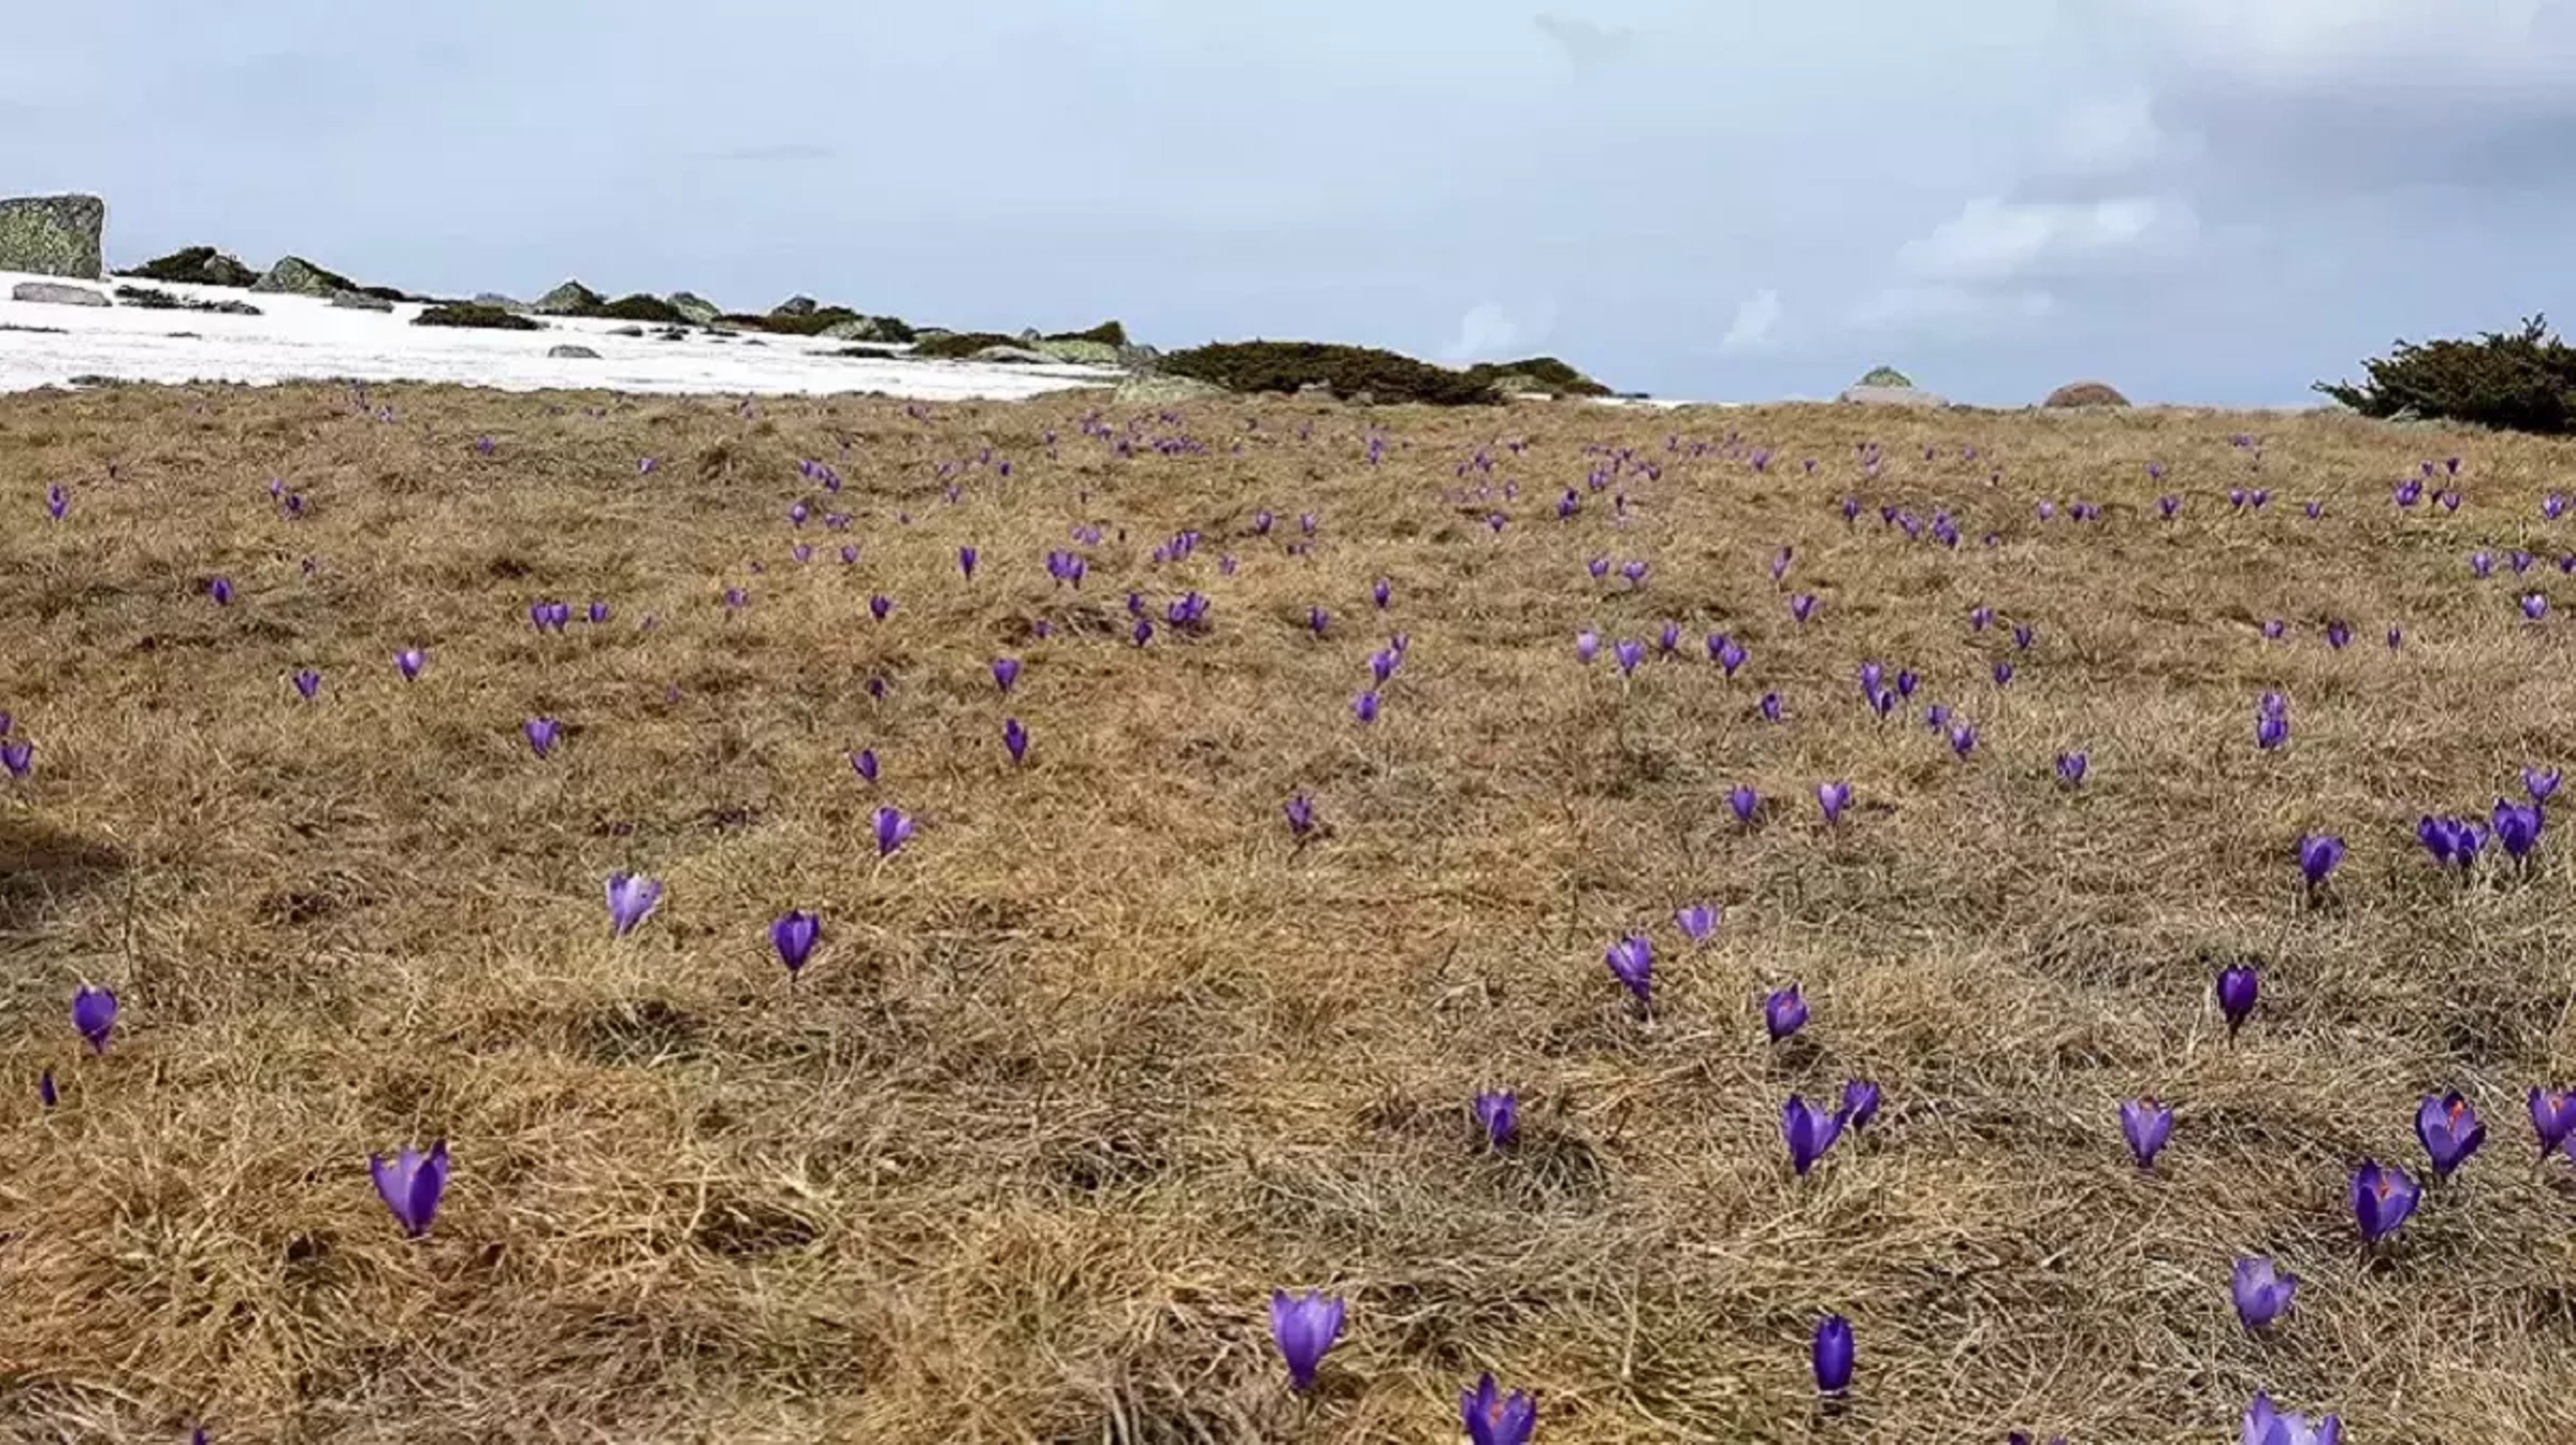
(572, 353)
(53, 235)
(52, 293)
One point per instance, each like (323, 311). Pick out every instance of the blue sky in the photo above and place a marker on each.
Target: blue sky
(2197, 200)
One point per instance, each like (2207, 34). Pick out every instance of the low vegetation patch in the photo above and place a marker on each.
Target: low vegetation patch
(1537, 373)
(195, 266)
(1107, 333)
(477, 316)
(639, 307)
(819, 320)
(1284, 366)
(960, 345)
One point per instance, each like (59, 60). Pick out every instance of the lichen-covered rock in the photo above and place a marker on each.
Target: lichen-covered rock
(1884, 376)
(54, 293)
(795, 306)
(53, 235)
(295, 276)
(152, 298)
(196, 266)
(1891, 396)
(1012, 356)
(498, 302)
(697, 309)
(569, 299)
(2085, 393)
(569, 352)
(360, 301)
(1167, 390)
(1078, 351)
(864, 328)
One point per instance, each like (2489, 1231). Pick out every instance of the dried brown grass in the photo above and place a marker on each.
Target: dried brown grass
(1100, 1059)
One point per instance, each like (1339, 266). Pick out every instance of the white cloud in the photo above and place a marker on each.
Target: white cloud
(2110, 135)
(1489, 333)
(1992, 239)
(2299, 43)
(1755, 321)
(1953, 307)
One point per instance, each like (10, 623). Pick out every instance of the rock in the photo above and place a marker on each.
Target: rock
(295, 276)
(1139, 357)
(858, 328)
(54, 293)
(498, 302)
(2085, 393)
(795, 306)
(1884, 376)
(1165, 390)
(1029, 337)
(568, 299)
(671, 334)
(698, 309)
(1013, 356)
(53, 236)
(1080, 353)
(572, 353)
(1314, 391)
(627, 331)
(235, 308)
(359, 301)
(196, 266)
(1891, 396)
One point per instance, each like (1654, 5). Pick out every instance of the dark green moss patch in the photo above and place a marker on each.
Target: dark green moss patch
(1284, 366)
(484, 318)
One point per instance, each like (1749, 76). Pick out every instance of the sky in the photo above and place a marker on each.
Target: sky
(2198, 201)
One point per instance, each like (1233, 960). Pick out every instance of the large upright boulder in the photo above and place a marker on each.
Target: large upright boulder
(53, 235)
(2085, 393)
(698, 309)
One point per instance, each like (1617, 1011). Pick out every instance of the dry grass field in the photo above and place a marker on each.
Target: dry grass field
(1101, 1055)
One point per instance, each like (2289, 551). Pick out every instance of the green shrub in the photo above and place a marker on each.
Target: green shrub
(639, 307)
(960, 345)
(812, 323)
(467, 313)
(196, 265)
(1248, 366)
(2520, 381)
(1107, 333)
(1549, 373)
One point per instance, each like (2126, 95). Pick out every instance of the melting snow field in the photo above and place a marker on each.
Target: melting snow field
(302, 338)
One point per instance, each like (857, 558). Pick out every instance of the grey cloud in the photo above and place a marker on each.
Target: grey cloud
(1585, 43)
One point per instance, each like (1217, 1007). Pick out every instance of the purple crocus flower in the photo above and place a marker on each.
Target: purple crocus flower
(1628, 655)
(19, 758)
(2023, 634)
(2003, 671)
(1317, 619)
(1906, 682)
(1696, 922)
(1304, 1327)
(1635, 572)
(2553, 1117)
(2271, 730)
(2071, 768)
(2383, 1195)
(1015, 738)
(1980, 618)
(2519, 560)
(632, 898)
(1632, 962)
(57, 502)
(1780, 565)
(94, 1016)
(1669, 641)
(1142, 632)
(2273, 629)
(1784, 1012)
(2265, 1425)
(1745, 802)
(46, 1093)
(2450, 1131)
(893, 831)
(1730, 655)
(220, 589)
(308, 683)
(1833, 1355)
(410, 1185)
(411, 660)
(864, 763)
(1498, 1111)
(1006, 670)
(597, 613)
(794, 936)
(2481, 564)
(1599, 567)
(879, 606)
(1833, 798)
(1301, 816)
(2535, 606)
(1860, 1103)
(1587, 645)
(541, 733)
(1803, 606)
(966, 562)
(2338, 635)
(1809, 1131)
(2147, 1125)
(1381, 592)
(2262, 1293)
(1365, 706)
(2517, 828)
(2238, 986)
(1963, 739)
(2318, 855)
(1493, 1418)
(2539, 784)
(1770, 706)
